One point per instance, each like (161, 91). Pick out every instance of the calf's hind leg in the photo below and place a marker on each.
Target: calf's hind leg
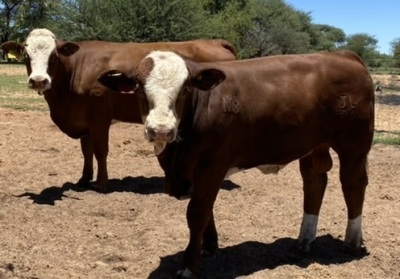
(354, 180)
(313, 169)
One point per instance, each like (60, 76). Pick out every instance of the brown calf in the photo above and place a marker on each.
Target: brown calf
(263, 113)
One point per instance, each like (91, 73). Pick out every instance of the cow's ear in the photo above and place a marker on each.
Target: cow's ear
(67, 48)
(208, 79)
(117, 81)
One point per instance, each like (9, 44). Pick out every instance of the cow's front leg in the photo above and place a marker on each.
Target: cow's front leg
(87, 151)
(201, 226)
(210, 238)
(314, 185)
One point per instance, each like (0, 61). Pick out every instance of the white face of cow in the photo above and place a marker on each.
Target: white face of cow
(40, 44)
(162, 86)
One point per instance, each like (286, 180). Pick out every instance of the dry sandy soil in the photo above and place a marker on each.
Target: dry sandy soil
(50, 228)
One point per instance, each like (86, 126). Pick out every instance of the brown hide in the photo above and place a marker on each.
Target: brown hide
(275, 110)
(83, 108)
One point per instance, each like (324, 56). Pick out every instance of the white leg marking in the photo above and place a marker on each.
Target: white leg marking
(353, 236)
(308, 230)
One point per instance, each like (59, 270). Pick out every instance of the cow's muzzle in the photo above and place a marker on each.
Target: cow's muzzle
(39, 83)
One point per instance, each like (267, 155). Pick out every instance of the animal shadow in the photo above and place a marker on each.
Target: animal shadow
(139, 185)
(249, 257)
(388, 99)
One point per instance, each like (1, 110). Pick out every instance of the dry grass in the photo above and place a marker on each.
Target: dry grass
(14, 92)
(387, 81)
(12, 69)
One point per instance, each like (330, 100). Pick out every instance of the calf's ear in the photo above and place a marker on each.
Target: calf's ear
(117, 81)
(207, 79)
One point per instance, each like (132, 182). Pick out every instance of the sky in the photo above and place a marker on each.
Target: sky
(377, 18)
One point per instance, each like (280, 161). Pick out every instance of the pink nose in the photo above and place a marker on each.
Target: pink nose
(40, 83)
(160, 134)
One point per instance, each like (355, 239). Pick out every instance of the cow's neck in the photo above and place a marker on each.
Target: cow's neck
(64, 104)
(171, 158)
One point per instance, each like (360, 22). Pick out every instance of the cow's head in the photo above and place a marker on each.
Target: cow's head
(14, 48)
(161, 82)
(42, 52)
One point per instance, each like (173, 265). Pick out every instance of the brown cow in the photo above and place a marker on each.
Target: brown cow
(79, 105)
(263, 113)
(12, 48)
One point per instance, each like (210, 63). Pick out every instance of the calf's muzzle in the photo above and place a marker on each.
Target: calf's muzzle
(160, 134)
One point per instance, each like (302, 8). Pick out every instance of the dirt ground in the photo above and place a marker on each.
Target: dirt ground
(49, 228)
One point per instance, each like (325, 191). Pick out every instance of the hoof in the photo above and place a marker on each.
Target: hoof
(185, 191)
(207, 253)
(304, 245)
(100, 188)
(355, 251)
(184, 274)
(84, 183)
(208, 250)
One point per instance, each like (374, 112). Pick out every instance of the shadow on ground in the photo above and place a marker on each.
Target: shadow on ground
(138, 185)
(388, 99)
(249, 257)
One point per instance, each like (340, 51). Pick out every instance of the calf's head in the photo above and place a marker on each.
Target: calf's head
(161, 82)
(42, 52)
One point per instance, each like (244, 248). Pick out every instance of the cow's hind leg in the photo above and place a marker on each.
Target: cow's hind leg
(100, 144)
(354, 179)
(313, 168)
(87, 151)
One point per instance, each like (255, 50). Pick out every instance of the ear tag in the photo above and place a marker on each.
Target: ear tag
(114, 75)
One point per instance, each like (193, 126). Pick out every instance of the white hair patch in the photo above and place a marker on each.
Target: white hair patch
(39, 46)
(162, 88)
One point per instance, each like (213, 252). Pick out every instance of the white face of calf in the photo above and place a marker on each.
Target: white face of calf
(158, 82)
(162, 82)
(40, 45)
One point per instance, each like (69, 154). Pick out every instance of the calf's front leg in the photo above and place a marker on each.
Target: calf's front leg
(203, 234)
